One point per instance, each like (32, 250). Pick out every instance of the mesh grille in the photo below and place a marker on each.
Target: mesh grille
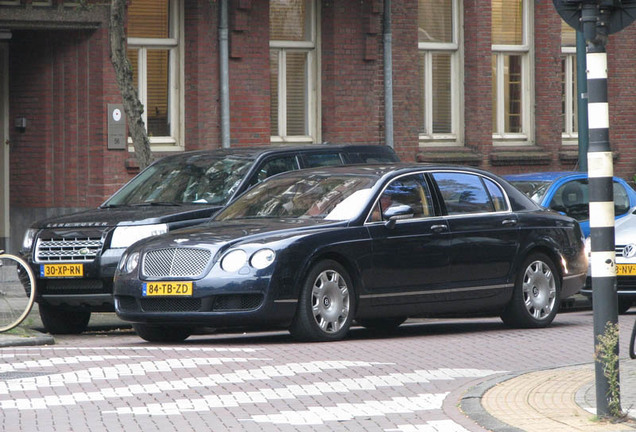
(176, 262)
(74, 286)
(171, 305)
(237, 302)
(68, 249)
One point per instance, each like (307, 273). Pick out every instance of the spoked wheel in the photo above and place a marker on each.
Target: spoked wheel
(326, 304)
(535, 301)
(17, 291)
(162, 334)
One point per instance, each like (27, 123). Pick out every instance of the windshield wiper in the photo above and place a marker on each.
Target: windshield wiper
(156, 203)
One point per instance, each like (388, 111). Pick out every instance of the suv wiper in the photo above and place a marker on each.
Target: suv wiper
(156, 203)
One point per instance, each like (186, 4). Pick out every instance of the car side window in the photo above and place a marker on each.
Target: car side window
(621, 199)
(463, 193)
(274, 166)
(496, 195)
(407, 192)
(322, 159)
(572, 199)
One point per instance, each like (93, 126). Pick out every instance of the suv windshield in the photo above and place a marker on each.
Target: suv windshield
(200, 179)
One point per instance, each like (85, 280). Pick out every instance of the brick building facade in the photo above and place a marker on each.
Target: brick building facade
(55, 72)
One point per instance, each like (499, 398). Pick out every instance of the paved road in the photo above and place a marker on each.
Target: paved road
(408, 381)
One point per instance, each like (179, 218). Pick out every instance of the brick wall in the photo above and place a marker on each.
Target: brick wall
(62, 81)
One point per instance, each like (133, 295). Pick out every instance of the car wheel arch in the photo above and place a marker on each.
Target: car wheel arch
(341, 259)
(538, 249)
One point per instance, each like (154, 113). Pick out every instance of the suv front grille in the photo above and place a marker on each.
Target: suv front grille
(176, 262)
(68, 249)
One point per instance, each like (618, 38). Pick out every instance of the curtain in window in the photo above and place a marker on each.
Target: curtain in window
(150, 19)
(435, 21)
(507, 22)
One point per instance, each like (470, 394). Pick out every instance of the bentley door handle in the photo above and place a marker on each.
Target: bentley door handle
(439, 228)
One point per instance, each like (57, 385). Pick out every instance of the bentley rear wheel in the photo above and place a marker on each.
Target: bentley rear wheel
(535, 300)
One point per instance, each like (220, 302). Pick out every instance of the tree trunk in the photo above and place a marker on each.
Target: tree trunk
(123, 72)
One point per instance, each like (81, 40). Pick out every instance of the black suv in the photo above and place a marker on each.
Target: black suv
(74, 256)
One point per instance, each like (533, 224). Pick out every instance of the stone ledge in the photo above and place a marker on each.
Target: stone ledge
(449, 155)
(520, 156)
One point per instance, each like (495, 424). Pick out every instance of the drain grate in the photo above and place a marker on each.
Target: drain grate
(5, 376)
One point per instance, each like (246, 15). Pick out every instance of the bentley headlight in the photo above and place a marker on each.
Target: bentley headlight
(132, 262)
(262, 258)
(234, 260)
(588, 246)
(29, 237)
(124, 236)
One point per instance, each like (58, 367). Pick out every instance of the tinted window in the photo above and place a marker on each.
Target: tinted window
(322, 159)
(572, 199)
(621, 199)
(463, 193)
(406, 191)
(275, 166)
(371, 157)
(496, 195)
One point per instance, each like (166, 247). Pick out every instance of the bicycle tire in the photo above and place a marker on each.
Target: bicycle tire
(17, 291)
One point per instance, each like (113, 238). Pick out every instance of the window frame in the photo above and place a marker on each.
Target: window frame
(176, 106)
(526, 51)
(455, 49)
(312, 92)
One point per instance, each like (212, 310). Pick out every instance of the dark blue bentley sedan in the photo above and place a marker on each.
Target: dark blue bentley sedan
(315, 250)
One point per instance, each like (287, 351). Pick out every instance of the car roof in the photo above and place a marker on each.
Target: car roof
(256, 152)
(544, 176)
(385, 168)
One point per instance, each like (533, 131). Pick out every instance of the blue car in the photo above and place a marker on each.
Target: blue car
(567, 192)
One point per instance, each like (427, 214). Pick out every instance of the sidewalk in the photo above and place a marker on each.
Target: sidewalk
(552, 400)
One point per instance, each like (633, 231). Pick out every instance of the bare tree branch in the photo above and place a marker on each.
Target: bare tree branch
(123, 72)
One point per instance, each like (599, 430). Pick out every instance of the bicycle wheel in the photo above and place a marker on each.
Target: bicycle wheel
(17, 291)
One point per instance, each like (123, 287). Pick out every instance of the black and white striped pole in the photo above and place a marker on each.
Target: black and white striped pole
(597, 19)
(600, 173)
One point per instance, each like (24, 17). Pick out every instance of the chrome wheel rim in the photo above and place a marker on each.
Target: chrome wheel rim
(539, 290)
(330, 302)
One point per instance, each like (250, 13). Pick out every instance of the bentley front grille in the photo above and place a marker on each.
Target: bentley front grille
(176, 262)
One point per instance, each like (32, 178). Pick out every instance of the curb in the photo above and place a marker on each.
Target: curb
(470, 404)
(30, 338)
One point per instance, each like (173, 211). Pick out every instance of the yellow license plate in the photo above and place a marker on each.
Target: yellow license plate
(625, 269)
(62, 270)
(167, 289)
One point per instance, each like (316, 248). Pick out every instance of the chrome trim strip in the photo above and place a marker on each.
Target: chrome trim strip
(491, 287)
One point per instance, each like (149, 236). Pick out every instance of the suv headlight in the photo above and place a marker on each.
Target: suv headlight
(29, 237)
(124, 236)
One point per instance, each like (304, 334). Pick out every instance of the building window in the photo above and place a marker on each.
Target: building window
(293, 70)
(511, 57)
(154, 51)
(569, 106)
(439, 71)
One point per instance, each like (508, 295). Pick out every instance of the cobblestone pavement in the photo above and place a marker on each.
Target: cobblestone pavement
(413, 380)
